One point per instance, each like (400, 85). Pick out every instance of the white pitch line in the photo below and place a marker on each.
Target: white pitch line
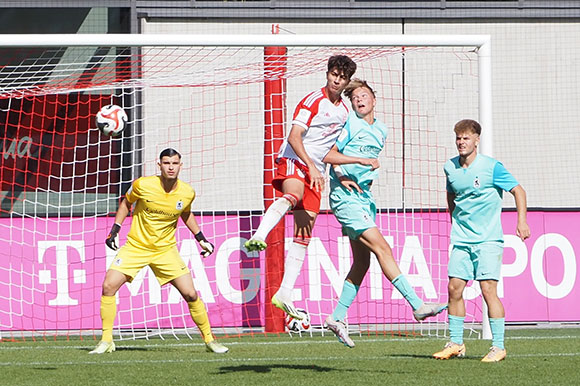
(224, 359)
(297, 341)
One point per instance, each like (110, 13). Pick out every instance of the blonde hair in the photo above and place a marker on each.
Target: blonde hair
(467, 125)
(357, 83)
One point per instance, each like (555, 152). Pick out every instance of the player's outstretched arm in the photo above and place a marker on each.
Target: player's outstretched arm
(522, 229)
(337, 158)
(112, 239)
(191, 224)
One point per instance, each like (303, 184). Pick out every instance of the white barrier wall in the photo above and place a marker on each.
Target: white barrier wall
(536, 69)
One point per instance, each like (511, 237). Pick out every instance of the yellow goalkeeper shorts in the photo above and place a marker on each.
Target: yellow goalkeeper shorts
(166, 264)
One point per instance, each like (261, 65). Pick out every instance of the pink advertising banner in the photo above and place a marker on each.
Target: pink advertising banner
(51, 272)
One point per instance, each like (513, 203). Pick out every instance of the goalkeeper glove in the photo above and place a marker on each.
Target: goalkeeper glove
(112, 239)
(204, 244)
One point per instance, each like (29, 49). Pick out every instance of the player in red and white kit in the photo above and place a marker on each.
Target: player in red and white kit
(300, 175)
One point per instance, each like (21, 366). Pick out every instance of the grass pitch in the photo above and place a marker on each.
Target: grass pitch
(535, 357)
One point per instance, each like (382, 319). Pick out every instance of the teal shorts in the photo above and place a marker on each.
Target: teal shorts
(480, 261)
(356, 212)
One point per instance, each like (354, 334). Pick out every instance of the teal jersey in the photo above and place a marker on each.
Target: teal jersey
(359, 139)
(478, 193)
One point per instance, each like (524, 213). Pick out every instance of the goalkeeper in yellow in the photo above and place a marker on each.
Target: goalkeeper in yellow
(159, 202)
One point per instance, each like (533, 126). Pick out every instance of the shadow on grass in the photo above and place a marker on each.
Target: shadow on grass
(412, 356)
(135, 348)
(118, 349)
(262, 369)
(430, 357)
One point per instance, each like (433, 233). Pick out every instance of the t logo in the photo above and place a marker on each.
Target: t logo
(60, 274)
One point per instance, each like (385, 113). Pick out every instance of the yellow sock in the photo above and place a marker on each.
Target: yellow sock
(108, 314)
(199, 316)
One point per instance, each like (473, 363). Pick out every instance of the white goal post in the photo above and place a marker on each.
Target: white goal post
(76, 210)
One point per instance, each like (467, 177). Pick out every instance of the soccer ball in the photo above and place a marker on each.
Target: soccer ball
(111, 120)
(295, 325)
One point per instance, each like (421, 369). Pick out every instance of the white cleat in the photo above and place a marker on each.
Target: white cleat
(103, 348)
(428, 309)
(340, 330)
(216, 347)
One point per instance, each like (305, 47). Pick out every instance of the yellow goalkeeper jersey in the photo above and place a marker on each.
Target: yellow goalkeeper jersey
(156, 212)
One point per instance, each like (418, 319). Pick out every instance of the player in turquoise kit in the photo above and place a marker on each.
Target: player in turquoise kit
(352, 203)
(475, 185)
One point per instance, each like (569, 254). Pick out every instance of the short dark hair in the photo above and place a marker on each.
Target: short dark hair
(357, 83)
(169, 152)
(342, 63)
(467, 125)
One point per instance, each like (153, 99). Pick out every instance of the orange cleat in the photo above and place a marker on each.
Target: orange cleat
(451, 350)
(495, 354)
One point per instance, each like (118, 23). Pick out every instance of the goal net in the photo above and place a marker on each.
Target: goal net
(224, 102)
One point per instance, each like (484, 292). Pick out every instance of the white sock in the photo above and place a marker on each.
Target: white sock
(292, 268)
(273, 215)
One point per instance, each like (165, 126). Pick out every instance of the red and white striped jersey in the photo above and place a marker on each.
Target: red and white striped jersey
(323, 121)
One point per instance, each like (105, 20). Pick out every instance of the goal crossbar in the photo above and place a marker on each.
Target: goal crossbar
(59, 40)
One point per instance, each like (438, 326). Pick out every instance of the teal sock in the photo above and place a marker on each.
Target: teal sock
(401, 283)
(497, 331)
(347, 296)
(456, 328)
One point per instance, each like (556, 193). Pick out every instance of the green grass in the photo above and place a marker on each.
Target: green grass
(535, 357)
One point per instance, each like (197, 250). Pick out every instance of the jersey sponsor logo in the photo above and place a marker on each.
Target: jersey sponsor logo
(476, 183)
(370, 149)
(179, 205)
(161, 212)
